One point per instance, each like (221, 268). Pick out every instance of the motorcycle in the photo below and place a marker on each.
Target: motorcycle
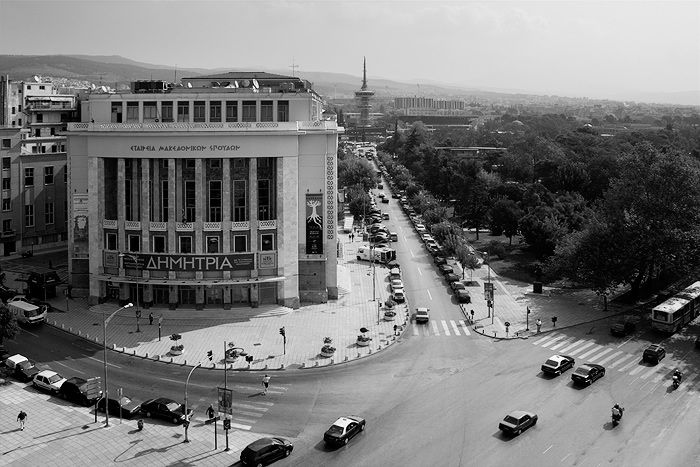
(676, 381)
(616, 418)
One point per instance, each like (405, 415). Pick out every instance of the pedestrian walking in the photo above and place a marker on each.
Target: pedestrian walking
(210, 412)
(150, 318)
(265, 382)
(21, 418)
(539, 325)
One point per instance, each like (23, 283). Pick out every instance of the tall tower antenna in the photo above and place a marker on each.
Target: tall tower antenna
(363, 98)
(293, 66)
(364, 74)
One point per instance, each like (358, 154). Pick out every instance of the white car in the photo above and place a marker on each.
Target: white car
(49, 381)
(422, 315)
(420, 228)
(396, 284)
(399, 295)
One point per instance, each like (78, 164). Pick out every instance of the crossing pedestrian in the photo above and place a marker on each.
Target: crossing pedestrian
(265, 382)
(21, 418)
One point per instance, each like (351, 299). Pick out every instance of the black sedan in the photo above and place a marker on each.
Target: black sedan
(588, 373)
(121, 407)
(343, 429)
(558, 364)
(76, 390)
(25, 371)
(266, 450)
(517, 421)
(165, 408)
(452, 277)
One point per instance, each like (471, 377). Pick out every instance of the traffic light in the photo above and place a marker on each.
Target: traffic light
(210, 355)
(282, 330)
(227, 424)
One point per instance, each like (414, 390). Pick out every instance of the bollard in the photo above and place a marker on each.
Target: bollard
(157, 357)
(303, 365)
(70, 329)
(358, 354)
(346, 358)
(97, 339)
(316, 364)
(185, 362)
(332, 361)
(282, 366)
(63, 326)
(265, 367)
(171, 359)
(78, 332)
(494, 333)
(146, 354)
(370, 350)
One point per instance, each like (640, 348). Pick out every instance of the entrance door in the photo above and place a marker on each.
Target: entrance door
(187, 295)
(161, 295)
(240, 295)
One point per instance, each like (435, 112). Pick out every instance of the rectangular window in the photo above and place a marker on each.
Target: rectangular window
(132, 112)
(240, 198)
(213, 245)
(190, 200)
(215, 201)
(29, 176)
(166, 110)
(6, 204)
(110, 240)
(231, 111)
(282, 111)
(240, 243)
(183, 111)
(267, 242)
(48, 175)
(190, 163)
(248, 111)
(165, 201)
(185, 244)
(264, 199)
(150, 111)
(6, 161)
(199, 113)
(117, 112)
(215, 111)
(215, 163)
(159, 244)
(48, 213)
(5, 183)
(266, 112)
(134, 243)
(7, 225)
(40, 118)
(29, 215)
(6, 142)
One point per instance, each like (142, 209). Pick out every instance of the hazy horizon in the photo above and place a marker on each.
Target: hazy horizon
(577, 48)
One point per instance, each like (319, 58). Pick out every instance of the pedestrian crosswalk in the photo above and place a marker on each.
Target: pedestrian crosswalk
(444, 327)
(588, 351)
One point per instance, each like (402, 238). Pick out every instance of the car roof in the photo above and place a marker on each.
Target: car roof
(345, 421)
(519, 413)
(46, 373)
(655, 347)
(17, 359)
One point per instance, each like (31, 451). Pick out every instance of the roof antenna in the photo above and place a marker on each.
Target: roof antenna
(293, 66)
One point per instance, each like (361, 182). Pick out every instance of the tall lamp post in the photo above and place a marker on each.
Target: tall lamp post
(135, 259)
(104, 355)
(187, 419)
(490, 295)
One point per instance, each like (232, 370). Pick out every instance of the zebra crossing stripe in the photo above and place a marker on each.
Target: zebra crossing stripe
(575, 351)
(465, 327)
(596, 357)
(562, 343)
(591, 351)
(240, 427)
(537, 342)
(687, 383)
(660, 369)
(435, 328)
(639, 369)
(610, 357)
(628, 365)
(445, 328)
(553, 341)
(614, 364)
(658, 378)
(455, 328)
(575, 344)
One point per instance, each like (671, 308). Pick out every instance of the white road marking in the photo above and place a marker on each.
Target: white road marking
(435, 328)
(537, 342)
(610, 357)
(614, 364)
(660, 369)
(553, 341)
(72, 369)
(565, 457)
(27, 332)
(596, 357)
(445, 328)
(545, 451)
(592, 351)
(102, 361)
(575, 344)
(561, 344)
(415, 330)
(575, 351)
(455, 328)
(639, 369)
(429, 296)
(465, 327)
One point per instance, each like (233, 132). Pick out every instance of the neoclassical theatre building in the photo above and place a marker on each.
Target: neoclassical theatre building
(218, 192)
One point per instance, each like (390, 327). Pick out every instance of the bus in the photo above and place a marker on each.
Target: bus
(27, 312)
(677, 311)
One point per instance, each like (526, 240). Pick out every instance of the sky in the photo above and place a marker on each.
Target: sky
(576, 48)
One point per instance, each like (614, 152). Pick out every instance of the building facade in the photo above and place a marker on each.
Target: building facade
(34, 178)
(217, 192)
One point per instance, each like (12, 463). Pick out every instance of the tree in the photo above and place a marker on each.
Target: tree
(505, 216)
(8, 324)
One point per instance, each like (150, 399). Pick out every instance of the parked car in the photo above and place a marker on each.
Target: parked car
(439, 260)
(123, 406)
(396, 284)
(588, 373)
(385, 200)
(379, 238)
(23, 369)
(515, 422)
(558, 364)
(654, 353)
(451, 277)
(343, 429)
(266, 450)
(445, 269)
(399, 295)
(463, 296)
(165, 408)
(457, 285)
(48, 381)
(422, 315)
(75, 390)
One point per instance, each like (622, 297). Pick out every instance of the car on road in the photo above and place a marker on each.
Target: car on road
(48, 381)
(385, 216)
(399, 295)
(266, 450)
(396, 284)
(439, 260)
(457, 285)
(451, 277)
(385, 200)
(588, 373)
(515, 422)
(558, 364)
(343, 429)
(43, 306)
(76, 390)
(379, 238)
(654, 353)
(393, 236)
(165, 408)
(422, 315)
(624, 326)
(382, 195)
(463, 296)
(123, 406)
(445, 269)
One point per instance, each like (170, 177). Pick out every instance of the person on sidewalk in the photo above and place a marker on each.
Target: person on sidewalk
(210, 411)
(266, 383)
(150, 318)
(539, 325)
(21, 418)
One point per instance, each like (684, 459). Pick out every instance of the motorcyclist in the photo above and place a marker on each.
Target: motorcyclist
(678, 374)
(617, 412)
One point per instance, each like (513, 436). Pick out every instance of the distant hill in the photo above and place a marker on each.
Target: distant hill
(113, 70)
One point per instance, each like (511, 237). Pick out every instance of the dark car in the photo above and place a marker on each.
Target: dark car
(6, 293)
(451, 277)
(25, 371)
(517, 421)
(121, 407)
(445, 269)
(463, 296)
(623, 327)
(457, 285)
(343, 429)
(164, 408)
(438, 260)
(654, 353)
(558, 364)
(588, 373)
(385, 200)
(76, 390)
(266, 450)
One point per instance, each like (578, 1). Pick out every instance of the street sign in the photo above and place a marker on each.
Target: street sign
(94, 388)
(224, 401)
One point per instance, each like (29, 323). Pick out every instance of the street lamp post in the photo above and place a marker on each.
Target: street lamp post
(104, 355)
(491, 299)
(187, 419)
(135, 259)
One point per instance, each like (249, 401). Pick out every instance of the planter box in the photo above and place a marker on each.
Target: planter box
(363, 343)
(389, 316)
(176, 352)
(326, 354)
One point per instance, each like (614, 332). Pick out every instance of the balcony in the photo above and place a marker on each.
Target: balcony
(211, 226)
(8, 233)
(267, 225)
(242, 225)
(184, 226)
(132, 225)
(158, 226)
(109, 224)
